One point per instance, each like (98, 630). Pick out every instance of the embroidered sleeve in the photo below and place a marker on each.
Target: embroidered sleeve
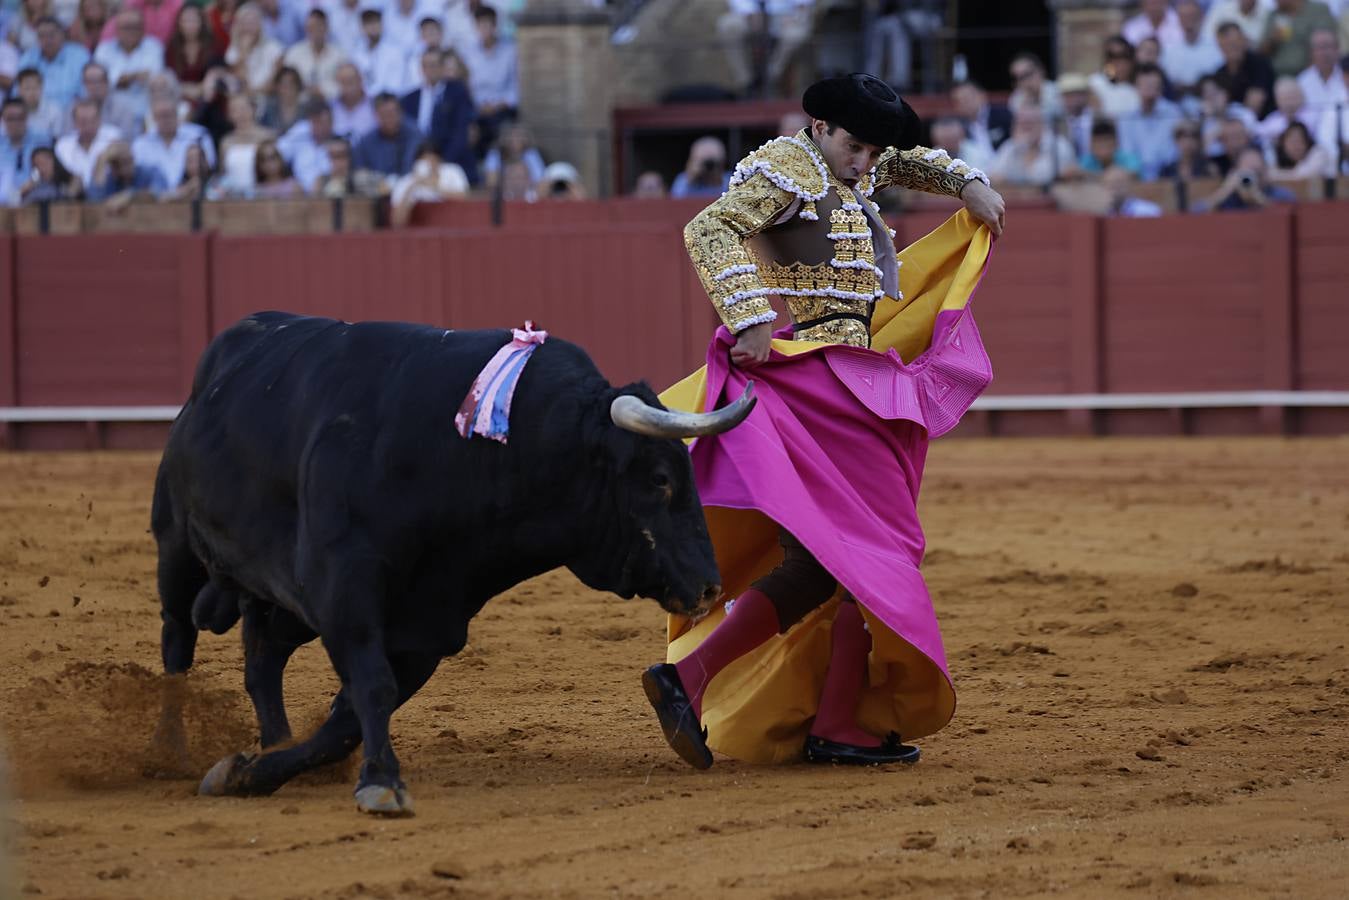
(922, 169)
(715, 241)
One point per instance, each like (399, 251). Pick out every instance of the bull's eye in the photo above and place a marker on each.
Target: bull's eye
(660, 480)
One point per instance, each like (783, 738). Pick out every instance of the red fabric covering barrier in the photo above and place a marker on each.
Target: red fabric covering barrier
(1073, 304)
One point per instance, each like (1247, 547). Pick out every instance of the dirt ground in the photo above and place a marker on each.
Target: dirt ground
(1148, 640)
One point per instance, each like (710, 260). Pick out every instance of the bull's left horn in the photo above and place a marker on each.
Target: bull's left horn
(632, 414)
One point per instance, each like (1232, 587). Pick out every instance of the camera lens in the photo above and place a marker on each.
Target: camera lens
(1247, 181)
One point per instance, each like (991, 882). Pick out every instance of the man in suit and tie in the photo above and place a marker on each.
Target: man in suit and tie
(443, 111)
(988, 125)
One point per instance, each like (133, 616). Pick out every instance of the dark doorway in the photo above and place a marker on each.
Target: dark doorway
(991, 32)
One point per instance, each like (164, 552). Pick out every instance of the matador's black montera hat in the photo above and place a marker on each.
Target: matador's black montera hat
(866, 107)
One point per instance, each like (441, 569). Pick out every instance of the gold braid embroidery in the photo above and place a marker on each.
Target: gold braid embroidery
(913, 170)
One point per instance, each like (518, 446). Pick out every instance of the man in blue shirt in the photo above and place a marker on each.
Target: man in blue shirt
(391, 148)
(16, 141)
(118, 176)
(1147, 134)
(705, 174)
(59, 63)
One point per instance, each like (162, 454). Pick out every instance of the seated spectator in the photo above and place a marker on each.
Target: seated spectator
(17, 140)
(895, 26)
(1289, 107)
(157, 18)
(493, 80)
(49, 181)
(1155, 20)
(651, 185)
(199, 178)
(272, 178)
(305, 145)
(45, 118)
(1234, 140)
(1119, 182)
(22, 27)
(117, 110)
(379, 60)
(238, 150)
(315, 58)
(252, 56)
(705, 173)
(1215, 108)
(1287, 38)
(988, 125)
(431, 36)
(516, 145)
(402, 22)
(1249, 15)
(91, 18)
(1033, 155)
(1332, 133)
(1105, 152)
(1191, 161)
(1149, 53)
(58, 62)
(1029, 86)
(1194, 54)
(1323, 82)
(342, 180)
(344, 24)
(561, 181)
(190, 50)
(1078, 112)
(353, 113)
(164, 147)
(1243, 69)
(517, 184)
(284, 104)
(1145, 136)
(1296, 158)
(117, 175)
(948, 133)
(1246, 187)
(789, 24)
(221, 15)
(282, 20)
(1113, 85)
(430, 181)
(391, 148)
(131, 58)
(80, 150)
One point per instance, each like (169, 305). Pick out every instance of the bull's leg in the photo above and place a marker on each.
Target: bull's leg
(336, 738)
(371, 683)
(265, 659)
(181, 576)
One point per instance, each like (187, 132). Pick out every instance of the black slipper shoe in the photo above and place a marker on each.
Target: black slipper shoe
(683, 732)
(820, 750)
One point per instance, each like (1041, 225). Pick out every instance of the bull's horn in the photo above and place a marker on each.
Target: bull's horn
(633, 414)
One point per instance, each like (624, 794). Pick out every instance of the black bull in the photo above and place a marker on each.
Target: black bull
(315, 485)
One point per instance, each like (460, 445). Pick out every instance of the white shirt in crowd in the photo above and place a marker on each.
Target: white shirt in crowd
(1333, 130)
(492, 76)
(417, 185)
(1140, 28)
(344, 23)
(308, 158)
(402, 26)
(1230, 11)
(316, 69)
(353, 122)
(1322, 94)
(383, 66)
(80, 161)
(260, 65)
(169, 158)
(147, 56)
(1185, 62)
(1011, 162)
(1117, 98)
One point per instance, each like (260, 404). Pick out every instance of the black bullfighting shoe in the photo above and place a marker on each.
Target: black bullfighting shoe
(683, 732)
(820, 750)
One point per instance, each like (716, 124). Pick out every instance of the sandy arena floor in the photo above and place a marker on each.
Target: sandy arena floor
(1148, 637)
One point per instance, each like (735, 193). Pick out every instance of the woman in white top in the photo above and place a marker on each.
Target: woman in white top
(252, 56)
(430, 181)
(1296, 158)
(238, 149)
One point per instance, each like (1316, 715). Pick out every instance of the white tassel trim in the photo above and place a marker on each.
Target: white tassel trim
(828, 292)
(848, 235)
(745, 172)
(856, 264)
(761, 318)
(731, 272)
(742, 296)
(853, 207)
(976, 174)
(808, 215)
(931, 155)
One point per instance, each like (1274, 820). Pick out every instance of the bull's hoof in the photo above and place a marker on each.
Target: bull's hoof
(223, 779)
(378, 800)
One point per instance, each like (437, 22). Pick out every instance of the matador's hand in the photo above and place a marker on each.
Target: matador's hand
(986, 205)
(753, 345)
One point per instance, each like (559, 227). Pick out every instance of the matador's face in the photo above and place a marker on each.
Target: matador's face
(847, 157)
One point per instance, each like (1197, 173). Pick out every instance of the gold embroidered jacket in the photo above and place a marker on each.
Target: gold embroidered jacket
(788, 226)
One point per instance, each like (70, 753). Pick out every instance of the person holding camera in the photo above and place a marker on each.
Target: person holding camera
(1247, 186)
(705, 173)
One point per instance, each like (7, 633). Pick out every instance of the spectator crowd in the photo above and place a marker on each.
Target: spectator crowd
(111, 100)
(1252, 92)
